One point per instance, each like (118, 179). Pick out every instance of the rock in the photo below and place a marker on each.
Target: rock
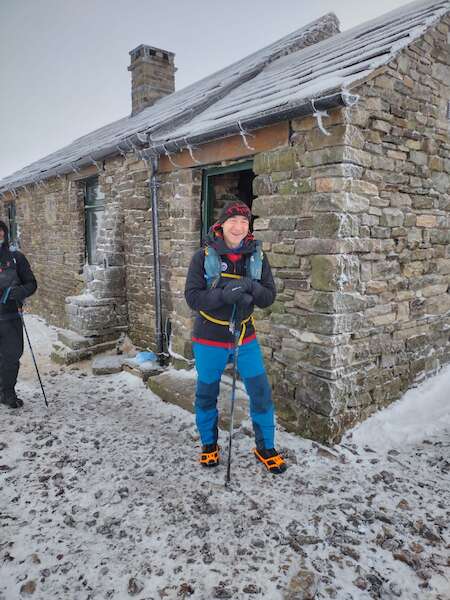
(251, 588)
(106, 365)
(222, 592)
(185, 590)
(135, 586)
(28, 588)
(303, 586)
(360, 583)
(395, 589)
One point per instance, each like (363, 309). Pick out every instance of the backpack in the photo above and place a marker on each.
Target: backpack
(213, 265)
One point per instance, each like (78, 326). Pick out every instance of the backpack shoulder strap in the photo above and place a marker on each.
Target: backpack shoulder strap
(212, 267)
(256, 262)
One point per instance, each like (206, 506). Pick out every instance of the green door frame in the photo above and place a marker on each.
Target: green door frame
(208, 190)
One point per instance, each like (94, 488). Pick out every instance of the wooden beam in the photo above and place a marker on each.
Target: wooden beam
(230, 148)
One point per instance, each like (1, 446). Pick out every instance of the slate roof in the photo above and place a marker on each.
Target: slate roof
(283, 75)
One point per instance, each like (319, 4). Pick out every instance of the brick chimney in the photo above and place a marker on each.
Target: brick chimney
(152, 76)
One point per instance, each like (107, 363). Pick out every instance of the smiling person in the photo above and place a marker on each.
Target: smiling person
(227, 277)
(17, 282)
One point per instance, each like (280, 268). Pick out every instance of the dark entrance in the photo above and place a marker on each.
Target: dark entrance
(218, 183)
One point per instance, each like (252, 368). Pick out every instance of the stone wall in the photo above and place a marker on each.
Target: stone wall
(180, 231)
(405, 275)
(101, 310)
(356, 227)
(50, 218)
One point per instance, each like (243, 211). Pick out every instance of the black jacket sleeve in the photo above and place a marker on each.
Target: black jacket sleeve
(264, 291)
(196, 292)
(28, 281)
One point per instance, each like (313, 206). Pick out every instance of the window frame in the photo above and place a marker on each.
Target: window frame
(12, 223)
(89, 209)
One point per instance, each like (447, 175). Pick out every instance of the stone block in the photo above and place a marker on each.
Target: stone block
(331, 302)
(392, 217)
(330, 225)
(426, 221)
(339, 201)
(283, 159)
(334, 272)
(107, 365)
(283, 260)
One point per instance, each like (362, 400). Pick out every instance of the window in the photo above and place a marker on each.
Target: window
(12, 222)
(94, 207)
(220, 182)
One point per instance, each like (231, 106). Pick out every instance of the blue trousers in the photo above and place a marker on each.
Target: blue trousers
(210, 362)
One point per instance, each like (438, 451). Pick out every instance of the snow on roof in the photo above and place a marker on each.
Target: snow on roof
(284, 74)
(331, 65)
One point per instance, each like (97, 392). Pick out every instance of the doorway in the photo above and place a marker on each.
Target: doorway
(218, 184)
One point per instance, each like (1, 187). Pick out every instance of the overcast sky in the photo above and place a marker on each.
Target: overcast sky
(63, 63)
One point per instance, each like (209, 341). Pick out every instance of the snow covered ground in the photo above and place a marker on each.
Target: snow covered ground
(101, 497)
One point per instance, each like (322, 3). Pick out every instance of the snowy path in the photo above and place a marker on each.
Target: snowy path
(101, 498)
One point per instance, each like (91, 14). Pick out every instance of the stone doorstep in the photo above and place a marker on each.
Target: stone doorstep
(77, 341)
(65, 355)
(178, 387)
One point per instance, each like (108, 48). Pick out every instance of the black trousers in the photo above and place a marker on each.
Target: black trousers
(11, 349)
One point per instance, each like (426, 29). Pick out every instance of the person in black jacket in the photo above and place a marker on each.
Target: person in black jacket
(234, 292)
(17, 282)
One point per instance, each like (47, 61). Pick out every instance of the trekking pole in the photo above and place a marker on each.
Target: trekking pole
(236, 332)
(32, 354)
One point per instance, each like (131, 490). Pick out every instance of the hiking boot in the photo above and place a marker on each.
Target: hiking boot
(210, 455)
(270, 458)
(11, 401)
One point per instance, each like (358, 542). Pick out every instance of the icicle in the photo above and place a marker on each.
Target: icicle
(319, 114)
(191, 152)
(136, 150)
(121, 152)
(243, 133)
(95, 163)
(172, 162)
(348, 98)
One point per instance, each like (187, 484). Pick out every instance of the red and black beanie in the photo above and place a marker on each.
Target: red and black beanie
(235, 209)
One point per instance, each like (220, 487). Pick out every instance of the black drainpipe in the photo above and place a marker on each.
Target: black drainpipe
(154, 186)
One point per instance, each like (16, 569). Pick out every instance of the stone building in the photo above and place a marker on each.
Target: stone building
(340, 144)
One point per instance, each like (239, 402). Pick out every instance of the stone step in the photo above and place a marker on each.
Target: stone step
(115, 363)
(178, 387)
(65, 355)
(76, 341)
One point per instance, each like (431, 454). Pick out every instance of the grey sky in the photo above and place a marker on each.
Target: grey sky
(63, 63)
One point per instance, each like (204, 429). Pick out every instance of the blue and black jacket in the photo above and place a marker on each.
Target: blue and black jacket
(208, 302)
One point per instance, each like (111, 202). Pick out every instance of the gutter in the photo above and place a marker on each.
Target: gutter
(289, 112)
(141, 142)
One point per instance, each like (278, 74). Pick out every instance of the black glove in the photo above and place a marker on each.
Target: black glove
(17, 293)
(246, 300)
(233, 292)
